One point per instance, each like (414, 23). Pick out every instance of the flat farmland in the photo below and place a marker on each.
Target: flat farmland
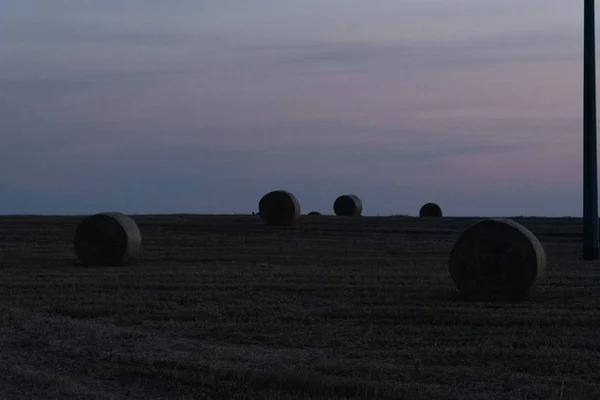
(221, 307)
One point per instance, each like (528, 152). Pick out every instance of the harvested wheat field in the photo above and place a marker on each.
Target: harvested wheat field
(220, 307)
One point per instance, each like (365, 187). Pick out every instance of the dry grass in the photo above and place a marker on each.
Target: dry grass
(348, 205)
(497, 259)
(279, 208)
(430, 210)
(226, 307)
(107, 239)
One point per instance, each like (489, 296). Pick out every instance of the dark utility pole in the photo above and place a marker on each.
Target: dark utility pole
(590, 168)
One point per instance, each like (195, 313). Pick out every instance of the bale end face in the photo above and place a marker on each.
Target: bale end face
(430, 210)
(279, 208)
(348, 205)
(497, 259)
(107, 239)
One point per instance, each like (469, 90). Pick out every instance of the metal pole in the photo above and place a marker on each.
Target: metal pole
(590, 167)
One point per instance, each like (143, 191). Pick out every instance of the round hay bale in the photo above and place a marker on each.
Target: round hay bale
(109, 238)
(348, 204)
(497, 259)
(314, 213)
(430, 210)
(279, 208)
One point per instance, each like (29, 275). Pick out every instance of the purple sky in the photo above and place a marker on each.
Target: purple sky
(203, 106)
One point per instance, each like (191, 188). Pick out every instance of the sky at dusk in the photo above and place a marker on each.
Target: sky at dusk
(203, 106)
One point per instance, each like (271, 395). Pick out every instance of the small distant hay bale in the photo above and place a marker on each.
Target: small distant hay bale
(430, 210)
(314, 213)
(497, 259)
(109, 238)
(279, 208)
(348, 205)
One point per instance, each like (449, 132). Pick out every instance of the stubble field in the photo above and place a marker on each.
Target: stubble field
(223, 307)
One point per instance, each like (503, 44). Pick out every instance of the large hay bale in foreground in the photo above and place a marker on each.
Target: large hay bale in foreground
(497, 259)
(109, 238)
(279, 208)
(430, 210)
(348, 204)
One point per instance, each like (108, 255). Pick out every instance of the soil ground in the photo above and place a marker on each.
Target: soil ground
(222, 307)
